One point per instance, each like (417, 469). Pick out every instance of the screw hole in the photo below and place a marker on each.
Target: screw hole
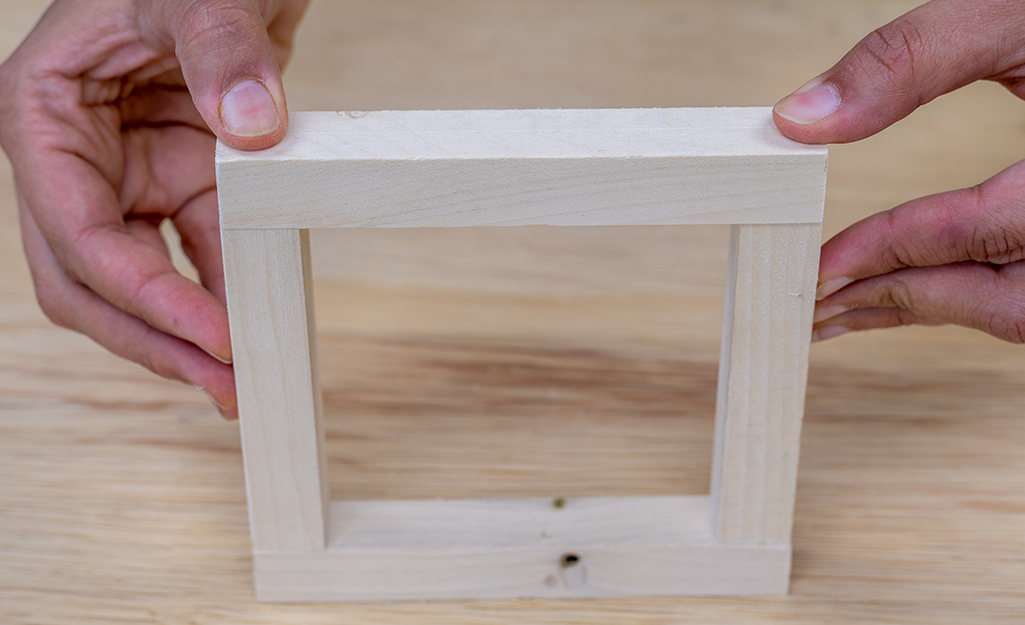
(559, 503)
(569, 559)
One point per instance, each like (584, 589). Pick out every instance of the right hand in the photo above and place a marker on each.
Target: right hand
(955, 257)
(109, 112)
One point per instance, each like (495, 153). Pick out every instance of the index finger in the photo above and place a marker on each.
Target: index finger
(985, 224)
(78, 213)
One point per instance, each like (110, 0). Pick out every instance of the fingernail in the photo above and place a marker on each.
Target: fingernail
(828, 312)
(230, 414)
(829, 287)
(217, 358)
(809, 105)
(211, 398)
(827, 332)
(248, 110)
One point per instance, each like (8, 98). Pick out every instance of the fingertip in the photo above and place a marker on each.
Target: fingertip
(825, 313)
(828, 287)
(813, 114)
(252, 119)
(210, 333)
(221, 359)
(828, 332)
(214, 336)
(226, 406)
(248, 110)
(810, 104)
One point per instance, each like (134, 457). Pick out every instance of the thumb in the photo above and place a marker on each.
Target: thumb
(934, 49)
(230, 68)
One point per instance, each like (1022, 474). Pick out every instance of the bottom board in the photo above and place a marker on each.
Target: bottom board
(510, 548)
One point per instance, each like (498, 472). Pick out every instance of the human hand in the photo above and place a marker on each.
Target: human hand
(956, 257)
(106, 113)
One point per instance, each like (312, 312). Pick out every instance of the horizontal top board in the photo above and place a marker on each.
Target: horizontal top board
(524, 167)
(551, 133)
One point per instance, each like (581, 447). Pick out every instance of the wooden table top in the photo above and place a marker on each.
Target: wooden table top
(550, 362)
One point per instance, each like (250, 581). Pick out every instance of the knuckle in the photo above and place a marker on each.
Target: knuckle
(894, 48)
(897, 294)
(218, 23)
(1000, 310)
(1011, 330)
(148, 359)
(149, 353)
(51, 302)
(997, 244)
(1000, 247)
(1007, 321)
(983, 228)
(896, 254)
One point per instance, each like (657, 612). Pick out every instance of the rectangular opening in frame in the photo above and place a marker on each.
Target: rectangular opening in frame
(519, 362)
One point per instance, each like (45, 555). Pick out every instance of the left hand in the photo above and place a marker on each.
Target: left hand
(108, 112)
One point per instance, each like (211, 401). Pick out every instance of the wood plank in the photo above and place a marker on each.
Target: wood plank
(536, 547)
(273, 335)
(763, 371)
(540, 167)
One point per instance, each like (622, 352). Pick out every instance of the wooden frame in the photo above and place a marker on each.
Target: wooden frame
(506, 168)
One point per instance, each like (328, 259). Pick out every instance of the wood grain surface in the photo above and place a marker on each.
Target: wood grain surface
(551, 167)
(528, 362)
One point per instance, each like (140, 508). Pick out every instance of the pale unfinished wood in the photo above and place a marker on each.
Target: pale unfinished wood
(576, 547)
(763, 371)
(543, 167)
(585, 168)
(273, 337)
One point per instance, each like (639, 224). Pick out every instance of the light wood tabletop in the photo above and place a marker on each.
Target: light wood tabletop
(539, 361)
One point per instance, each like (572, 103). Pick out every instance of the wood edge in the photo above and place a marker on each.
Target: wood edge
(726, 118)
(588, 556)
(612, 570)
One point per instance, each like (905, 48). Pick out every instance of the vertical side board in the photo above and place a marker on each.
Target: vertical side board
(763, 370)
(270, 309)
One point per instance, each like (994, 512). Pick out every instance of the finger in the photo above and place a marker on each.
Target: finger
(865, 319)
(173, 175)
(230, 66)
(160, 103)
(934, 49)
(147, 231)
(986, 297)
(164, 168)
(73, 306)
(197, 224)
(92, 244)
(985, 224)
